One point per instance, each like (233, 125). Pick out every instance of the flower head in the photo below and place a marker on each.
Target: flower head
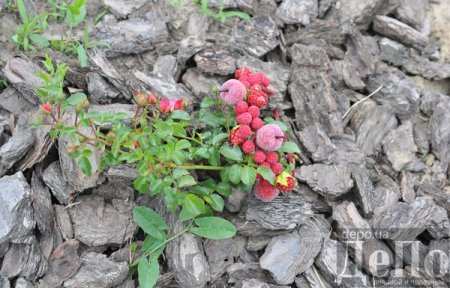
(265, 191)
(285, 182)
(248, 147)
(233, 91)
(140, 98)
(178, 104)
(270, 137)
(244, 118)
(167, 105)
(151, 98)
(257, 123)
(239, 134)
(241, 107)
(259, 157)
(46, 108)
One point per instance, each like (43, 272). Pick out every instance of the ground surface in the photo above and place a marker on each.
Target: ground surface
(375, 164)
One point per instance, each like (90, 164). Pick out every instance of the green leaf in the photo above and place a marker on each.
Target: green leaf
(215, 201)
(180, 115)
(150, 222)
(267, 174)
(141, 184)
(224, 189)
(148, 273)
(202, 152)
(282, 125)
(289, 147)
(85, 165)
(182, 144)
(76, 12)
(82, 56)
(192, 207)
(22, 11)
(214, 228)
(39, 40)
(219, 138)
(234, 173)
(248, 175)
(232, 153)
(186, 181)
(76, 98)
(224, 15)
(150, 244)
(178, 172)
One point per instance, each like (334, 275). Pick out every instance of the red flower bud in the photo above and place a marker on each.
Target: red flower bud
(179, 104)
(46, 108)
(164, 105)
(244, 118)
(241, 107)
(151, 99)
(259, 157)
(248, 147)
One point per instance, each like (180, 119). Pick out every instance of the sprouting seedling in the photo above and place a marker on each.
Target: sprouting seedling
(29, 33)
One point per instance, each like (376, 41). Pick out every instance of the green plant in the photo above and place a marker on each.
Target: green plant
(221, 15)
(190, 160)
(75, 47)
(28, 34)
(3, 84)
(73, 13)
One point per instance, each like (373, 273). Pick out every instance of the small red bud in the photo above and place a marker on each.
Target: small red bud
(46, 108)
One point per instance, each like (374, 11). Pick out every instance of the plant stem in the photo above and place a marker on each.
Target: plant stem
(200, 167)
(92, 139)
(190, 138)
(175, 236)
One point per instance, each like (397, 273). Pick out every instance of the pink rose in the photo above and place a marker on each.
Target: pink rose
(232, 91)
(270, 137)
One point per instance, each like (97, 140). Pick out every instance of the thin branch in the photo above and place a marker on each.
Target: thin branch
(361, 101)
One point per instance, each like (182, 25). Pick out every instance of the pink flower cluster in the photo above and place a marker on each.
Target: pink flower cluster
(165, 105)
(249, 93)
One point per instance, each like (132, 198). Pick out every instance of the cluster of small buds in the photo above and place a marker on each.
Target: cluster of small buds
(165, 105)
(249, 93)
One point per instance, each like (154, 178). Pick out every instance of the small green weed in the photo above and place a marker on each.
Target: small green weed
(221, 15)
(29, 33)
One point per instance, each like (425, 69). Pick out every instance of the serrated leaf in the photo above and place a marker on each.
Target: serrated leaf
(289, 147)
(267, 174)
(148, 272)
(213, 228)
(219, 138)
(182, 144)
(231, 153)
(180, 115)
(186, 181)
(178, 172)
(193, 206)
(234, 173)
(150, 222)
(224, 189)
(248, 175)
(202, 152)
(76, 98)
(215, 201)
(141, 184)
